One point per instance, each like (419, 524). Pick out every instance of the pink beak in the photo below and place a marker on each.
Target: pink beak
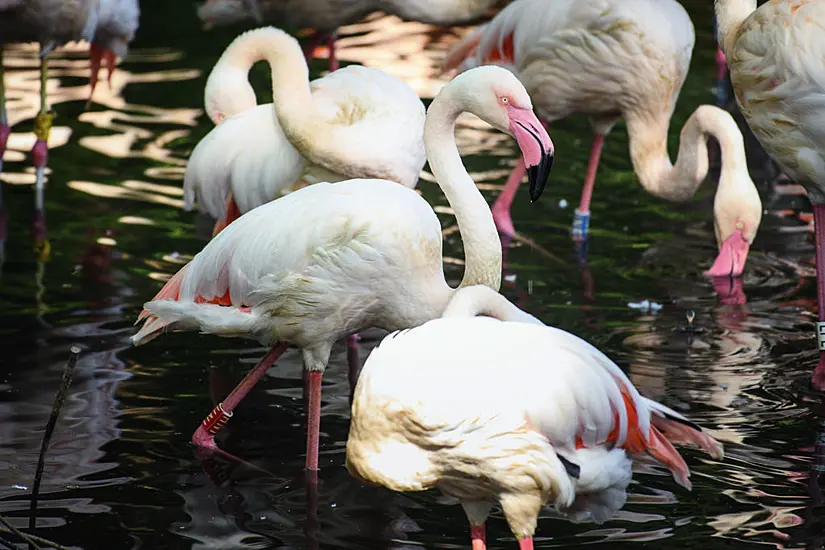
(732, 257)
(536, 148)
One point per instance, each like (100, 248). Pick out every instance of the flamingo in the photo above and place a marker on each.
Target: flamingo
(774, 57)
(354, 123)
(117, 23)
(326, 16)
(720, 89)
(506, 409)
(332, 259)
(629, 59)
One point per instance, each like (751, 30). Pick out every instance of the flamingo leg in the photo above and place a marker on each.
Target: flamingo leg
(581, 217)
(818, 380)
(313, 420)
(204, 436)
(526, 543)
(313, 527)
(478, 534)
(720, 89)
(477, 513)
(5, 130)
(333, 60)
(40, 153)
(353, 361)
(501, 208)
(309, 50)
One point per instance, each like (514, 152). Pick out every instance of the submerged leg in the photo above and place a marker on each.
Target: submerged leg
(581, 217)
(818, 380)
(4, 121)
(313, 419)
(501, 208)
(204, 436)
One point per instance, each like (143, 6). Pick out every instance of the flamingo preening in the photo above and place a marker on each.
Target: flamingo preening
(615, 59)
(508, 411)
(332, 259)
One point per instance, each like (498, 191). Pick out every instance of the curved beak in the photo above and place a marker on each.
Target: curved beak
(732, 257)
(536, 148)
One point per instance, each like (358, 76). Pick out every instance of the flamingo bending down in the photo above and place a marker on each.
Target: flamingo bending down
(326, 16)
(117, 24)
(774, 56)
(354, 123)
(507, 410)
(621, 58)
(332, 259)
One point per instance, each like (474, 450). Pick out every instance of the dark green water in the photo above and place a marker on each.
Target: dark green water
(121, 473)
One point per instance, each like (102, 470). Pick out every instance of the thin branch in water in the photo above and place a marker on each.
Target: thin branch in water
(19, 533)
(31, 539)
(68, 373)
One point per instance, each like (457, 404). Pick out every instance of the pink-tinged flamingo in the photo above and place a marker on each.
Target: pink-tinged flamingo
(628, 59)
(326, 16)
(357, 122)
(507, 410)
(774, 54)
(117, 24)
(332, 259)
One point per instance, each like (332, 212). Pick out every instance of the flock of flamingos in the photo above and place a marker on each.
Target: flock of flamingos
(320, 234)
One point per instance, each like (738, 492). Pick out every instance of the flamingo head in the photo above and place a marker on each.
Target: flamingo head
(502, 101)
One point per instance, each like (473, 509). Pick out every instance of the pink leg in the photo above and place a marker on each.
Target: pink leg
(818, 380)
(501, 208)
(309, 50)
(204, 436)
(313, 527)
(526, 544)
(479, 536)
(333, 60)
(313, 420)
(581, 218)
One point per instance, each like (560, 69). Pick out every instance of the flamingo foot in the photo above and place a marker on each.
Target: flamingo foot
(818, 378)
(581, 225)
(479, 536)
(502, 219)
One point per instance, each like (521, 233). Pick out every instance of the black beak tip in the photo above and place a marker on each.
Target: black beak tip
(537, 176)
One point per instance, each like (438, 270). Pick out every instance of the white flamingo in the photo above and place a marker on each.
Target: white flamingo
(507, 410)
(117, 24)
(332, 259)
(326, 16)
(774, 54)
(629, 59)
(354, 123)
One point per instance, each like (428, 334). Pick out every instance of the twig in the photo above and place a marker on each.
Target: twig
(30, 538)
(68, 373)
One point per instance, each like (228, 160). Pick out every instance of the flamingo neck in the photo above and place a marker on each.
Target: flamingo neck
(472, 301)
(730, 14)
(482, 247)
(648, 152)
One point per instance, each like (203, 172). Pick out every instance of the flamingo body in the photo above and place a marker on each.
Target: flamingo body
(516, 412)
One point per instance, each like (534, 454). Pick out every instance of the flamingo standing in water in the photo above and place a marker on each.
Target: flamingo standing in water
(332, 259)
(774, 54)
(354, 123)
(326, 16)
(507, 410)
(612, 59)
(117, 24)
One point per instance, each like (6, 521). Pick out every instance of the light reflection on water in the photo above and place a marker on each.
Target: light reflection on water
(120, 464)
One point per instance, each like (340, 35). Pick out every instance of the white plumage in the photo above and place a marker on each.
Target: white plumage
(355, 122)
(332, 259)
(629, 59)
(775, 56)
(509, 411)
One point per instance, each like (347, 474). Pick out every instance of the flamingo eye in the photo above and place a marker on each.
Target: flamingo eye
(505, 100)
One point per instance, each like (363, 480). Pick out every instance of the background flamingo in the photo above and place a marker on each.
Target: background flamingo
(513, 412)
(353, 123)
(117, 24)
(332, 259)
(774, 57)
(326, 16)
(612, 59)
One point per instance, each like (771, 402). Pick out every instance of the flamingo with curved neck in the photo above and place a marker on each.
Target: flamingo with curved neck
(332, 259)
(612, 59)
(354, 123)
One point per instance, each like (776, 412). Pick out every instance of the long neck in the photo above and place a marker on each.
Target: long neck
(730, 14)
(648, 151)
(472, 301)
(482, 247)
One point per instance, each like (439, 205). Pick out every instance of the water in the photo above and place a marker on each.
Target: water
(121, 473)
